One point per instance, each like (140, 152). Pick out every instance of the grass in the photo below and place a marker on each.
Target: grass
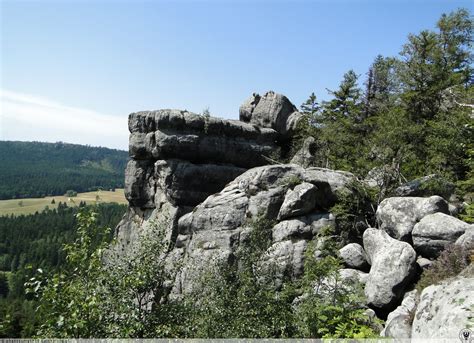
(31, 205)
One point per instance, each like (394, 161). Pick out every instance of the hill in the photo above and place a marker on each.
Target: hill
(35, 169)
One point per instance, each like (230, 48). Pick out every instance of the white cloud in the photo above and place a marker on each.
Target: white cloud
(31, 118)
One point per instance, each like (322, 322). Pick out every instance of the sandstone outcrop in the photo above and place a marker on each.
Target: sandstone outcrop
(220, 224)
(208, 183)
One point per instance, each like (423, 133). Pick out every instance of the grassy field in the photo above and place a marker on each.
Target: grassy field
(31, 205)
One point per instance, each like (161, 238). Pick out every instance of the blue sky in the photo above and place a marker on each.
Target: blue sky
(73, 70)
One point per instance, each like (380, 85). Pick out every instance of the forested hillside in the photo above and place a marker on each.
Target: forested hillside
(34, 169)
(36, 241)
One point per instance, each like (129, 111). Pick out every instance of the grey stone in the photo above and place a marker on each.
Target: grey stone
(302, 227)
(198, 139)
(351, 275)
(305, 155)
(329, 183)
(298, 201)
(426, 186)
(445, 309)
(188, 184)
(423, 263)
(139, 184)
(392, 269)
(467, 238)
(354, 256)
(435, 231)
(284, 258)
(272, 110)
(399, 322)
(397, 216)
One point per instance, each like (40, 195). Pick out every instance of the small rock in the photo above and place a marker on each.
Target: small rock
(305, 156)
(423, 262)
(354, 256)
(298, 201)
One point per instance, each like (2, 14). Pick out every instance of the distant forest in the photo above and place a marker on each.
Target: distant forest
(34, 169)
(28, 242)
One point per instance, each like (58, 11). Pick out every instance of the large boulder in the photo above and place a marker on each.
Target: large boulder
(397, 216)
(399, 321)
(393, 266)
(302, 227)
(445, 309)
(354, 256)
(272, 110)
(435, 231)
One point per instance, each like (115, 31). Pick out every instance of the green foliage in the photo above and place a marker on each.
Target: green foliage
(4, 288)
(37, 239)
(354, 211)
(450, 263)
(90, 298)
(413, 118)
(34, 169)
(71, 193)
(468, 214)
(31, 242)
(330, 307)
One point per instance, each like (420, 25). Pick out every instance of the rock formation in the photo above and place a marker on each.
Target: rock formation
(207, 181)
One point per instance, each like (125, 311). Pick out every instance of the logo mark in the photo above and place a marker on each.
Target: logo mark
(466, 336)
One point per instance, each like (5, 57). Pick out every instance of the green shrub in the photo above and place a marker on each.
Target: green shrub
(450, 263)
(331, 307)
(354, 211)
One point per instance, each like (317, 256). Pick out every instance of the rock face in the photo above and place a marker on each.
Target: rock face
(393, 265)
(272, 110)
(397, 216)
(179, 158)
(467, 239)
(435, 231)
(399, 322)
(445, 309)
(205, 180)
(218, 226)
(206, 183)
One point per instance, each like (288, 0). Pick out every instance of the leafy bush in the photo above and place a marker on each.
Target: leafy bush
(354, 211)
(450, 263)
(330, 306)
